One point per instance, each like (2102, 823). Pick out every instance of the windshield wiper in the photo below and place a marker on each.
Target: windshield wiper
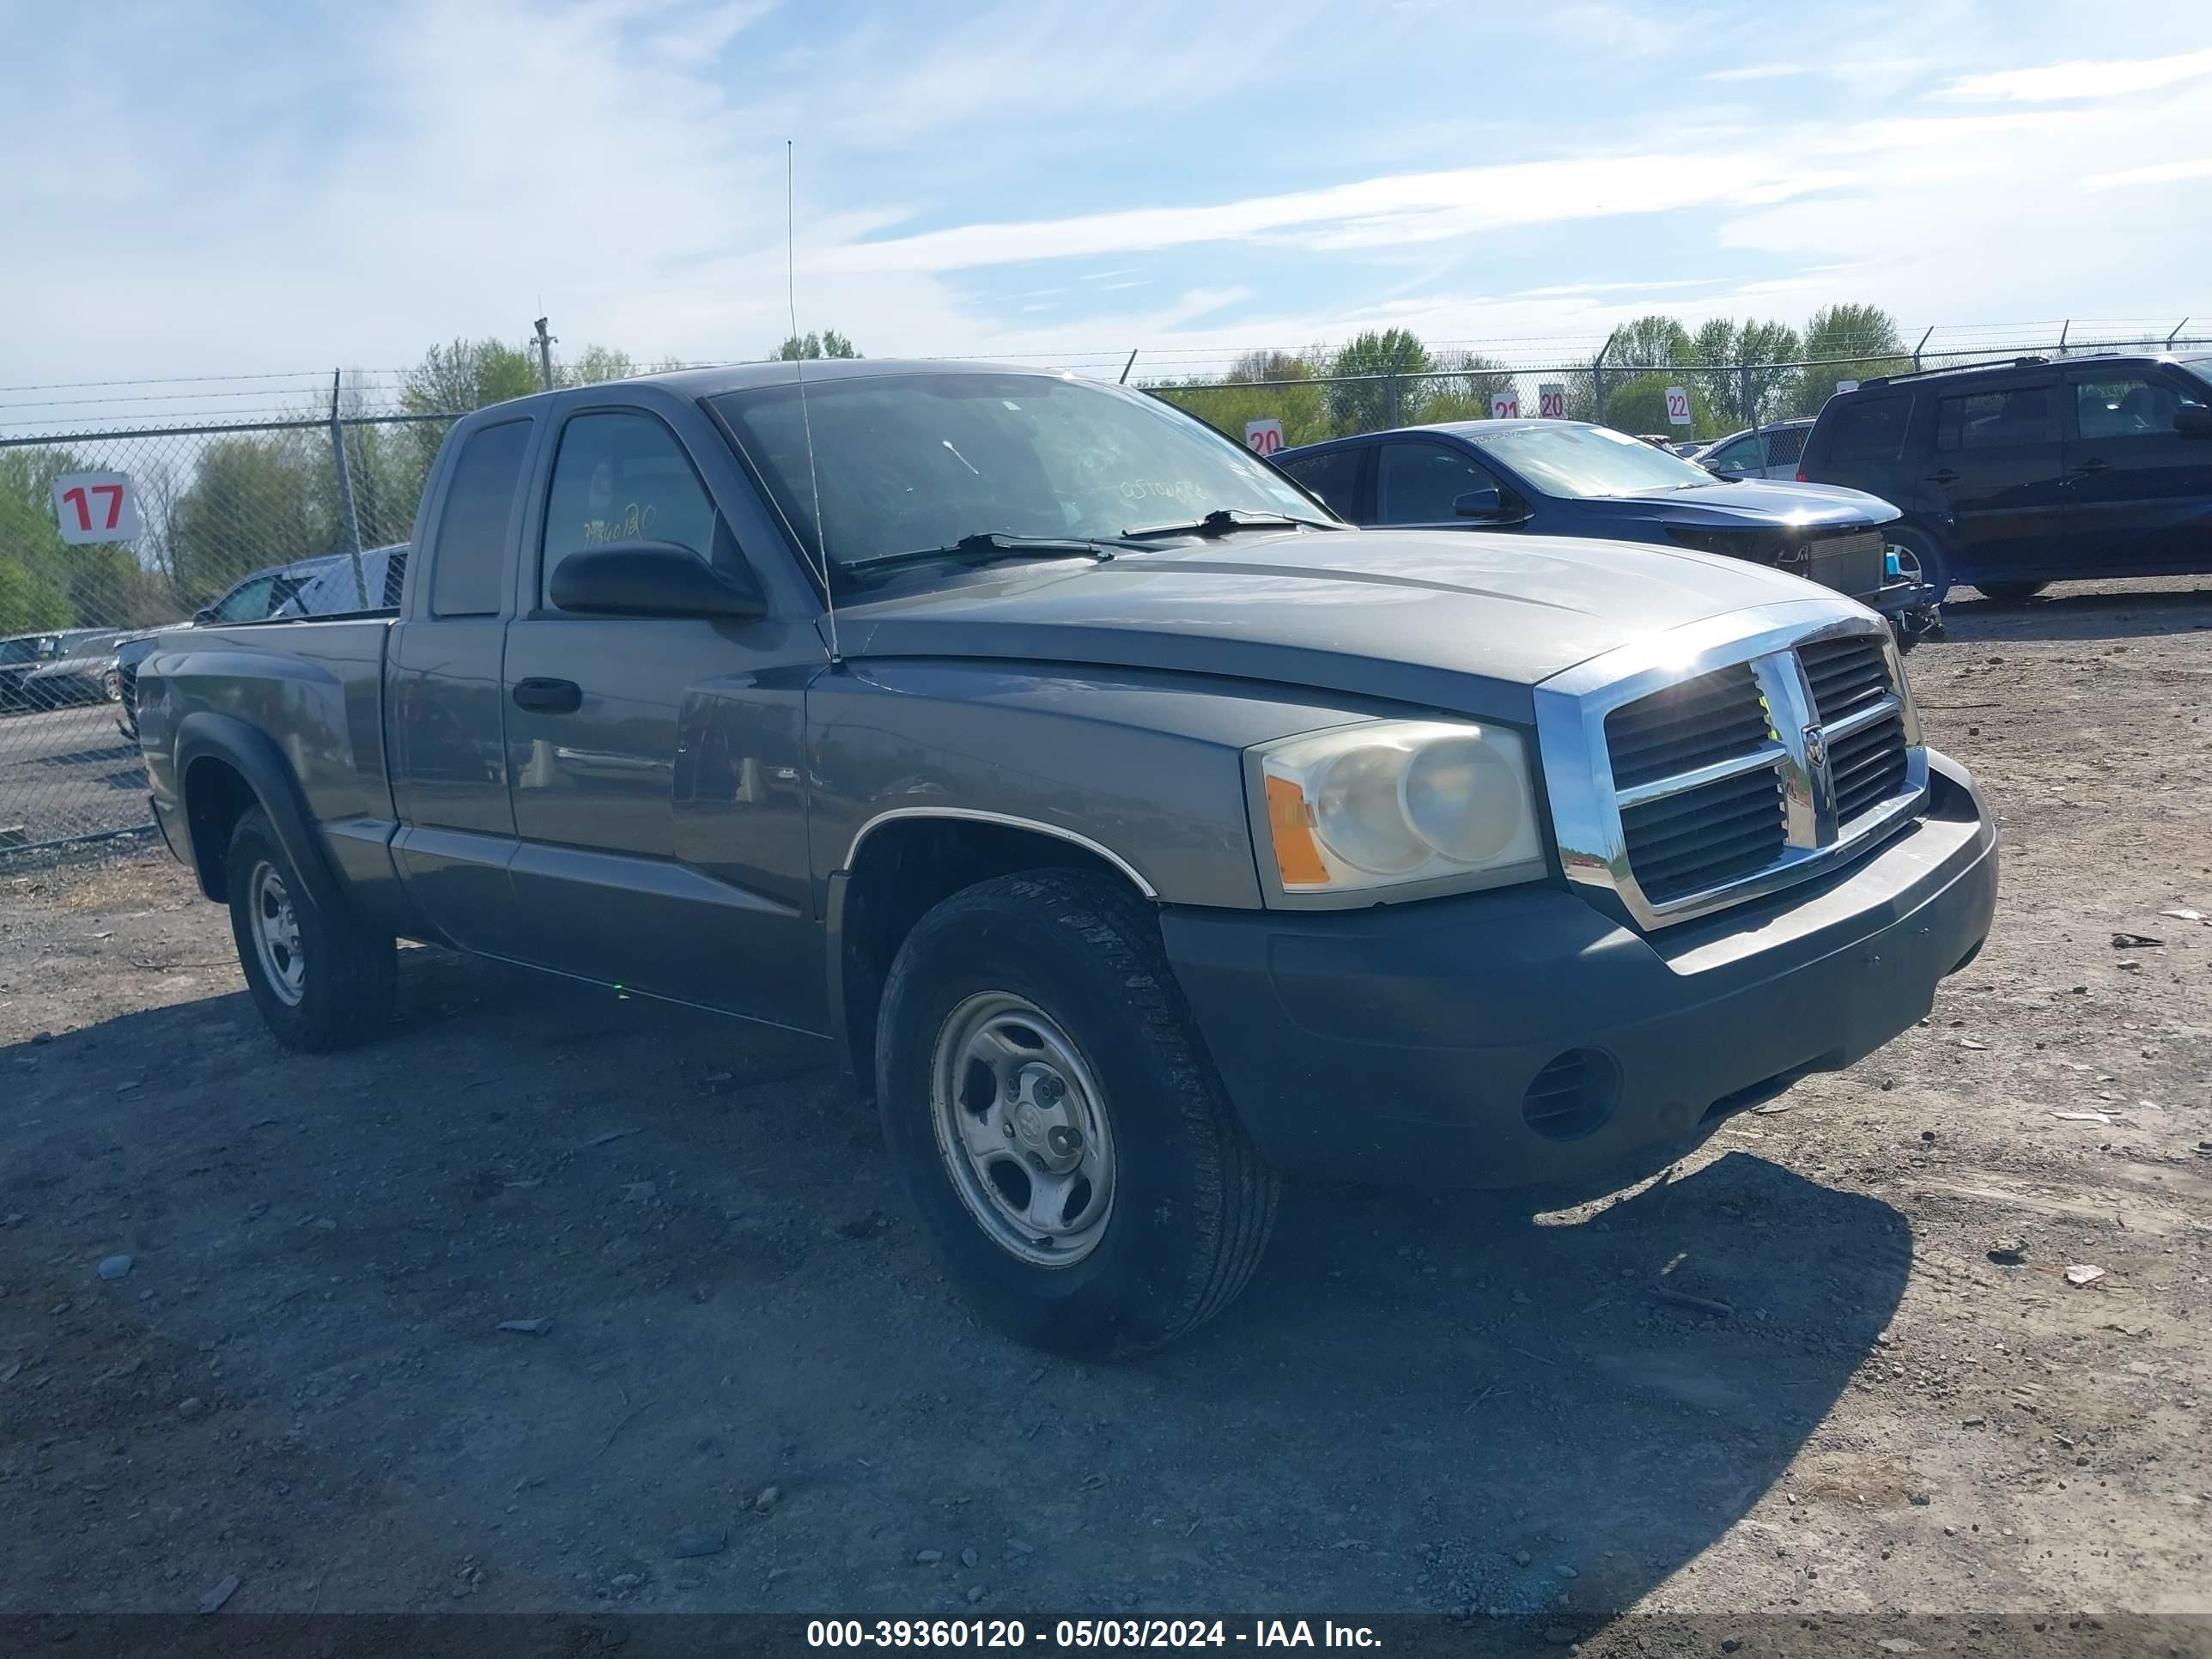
(983, 548)
(1223, 520)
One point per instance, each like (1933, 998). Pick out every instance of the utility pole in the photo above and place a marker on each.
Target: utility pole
(544, 354)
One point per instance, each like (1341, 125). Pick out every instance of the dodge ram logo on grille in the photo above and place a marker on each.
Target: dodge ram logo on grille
(1816, 749)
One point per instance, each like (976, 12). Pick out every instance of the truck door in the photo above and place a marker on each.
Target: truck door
(1998, 461)
(443, 702)
(657, 764)
(2137, 488)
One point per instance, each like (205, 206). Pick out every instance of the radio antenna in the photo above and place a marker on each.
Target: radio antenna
(805, 422)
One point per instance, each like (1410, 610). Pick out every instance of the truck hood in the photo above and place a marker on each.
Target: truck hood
(1412, 615)
(1752, 504)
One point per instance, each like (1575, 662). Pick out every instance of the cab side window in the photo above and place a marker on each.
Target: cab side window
(1417, 483)
(1992, 420)
(2125, 406)
(250, 601)
(623, 477)
(1334, 476)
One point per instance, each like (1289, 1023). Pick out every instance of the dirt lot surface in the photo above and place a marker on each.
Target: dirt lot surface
(1427, 1404)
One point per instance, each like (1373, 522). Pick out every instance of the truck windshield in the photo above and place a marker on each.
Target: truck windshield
(909, 462)
(1564, 458)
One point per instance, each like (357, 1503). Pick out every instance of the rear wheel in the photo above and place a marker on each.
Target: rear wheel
(1056, 1123)
(2011, 592)
(321, 978)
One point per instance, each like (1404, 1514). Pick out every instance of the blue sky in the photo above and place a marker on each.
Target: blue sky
(220, 189)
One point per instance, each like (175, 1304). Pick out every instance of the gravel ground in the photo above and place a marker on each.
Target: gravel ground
(68, 772)
(300, 1377)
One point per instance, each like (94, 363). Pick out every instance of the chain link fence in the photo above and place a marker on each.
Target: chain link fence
(105, 535)
(1681, 400)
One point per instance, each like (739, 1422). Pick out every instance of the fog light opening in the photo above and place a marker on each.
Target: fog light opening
(1573, 1094)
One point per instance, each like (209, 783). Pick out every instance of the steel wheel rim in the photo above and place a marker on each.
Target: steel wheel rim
(275, 927)
(1022, 1128)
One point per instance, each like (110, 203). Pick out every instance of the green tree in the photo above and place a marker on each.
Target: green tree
(828, 343)
(1228, 405)
(254, 501)
(1638, 404)
(1359, 399)
(594, 365)
(34, 559)
(1474, 380)
(1654, 340)
(1846, 343)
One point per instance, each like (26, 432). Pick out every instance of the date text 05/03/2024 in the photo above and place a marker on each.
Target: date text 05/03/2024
(1012, 1633)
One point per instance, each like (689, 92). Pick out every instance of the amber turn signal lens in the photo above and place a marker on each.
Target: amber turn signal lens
(1297, 860)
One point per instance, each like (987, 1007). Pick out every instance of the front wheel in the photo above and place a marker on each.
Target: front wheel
(1056, 1121)
(1921, 552)
(321, 978)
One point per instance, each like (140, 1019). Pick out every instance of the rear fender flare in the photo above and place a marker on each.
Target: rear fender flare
(254, 755)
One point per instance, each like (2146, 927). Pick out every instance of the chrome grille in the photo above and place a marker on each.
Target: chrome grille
(1707, 767)
(1867, 766)
(1702, 837)
(1845, 674)
(1712, 718)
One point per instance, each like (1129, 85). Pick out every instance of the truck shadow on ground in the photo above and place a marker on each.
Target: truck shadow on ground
(1421, 1402)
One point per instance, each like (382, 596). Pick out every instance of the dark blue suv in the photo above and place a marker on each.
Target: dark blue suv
(2016, 474)
(1570, 478)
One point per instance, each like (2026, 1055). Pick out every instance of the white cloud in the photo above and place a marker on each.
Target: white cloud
(2162, 173)
(2106, 78)
(1758, 72)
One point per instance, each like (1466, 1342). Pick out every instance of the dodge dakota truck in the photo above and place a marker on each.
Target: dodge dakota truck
(1133, 829)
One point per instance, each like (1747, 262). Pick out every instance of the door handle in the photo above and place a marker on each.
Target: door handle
(544, 697)
(1946, 475)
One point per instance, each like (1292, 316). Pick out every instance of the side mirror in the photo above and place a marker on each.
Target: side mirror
(2193, 421)
(1484, 503)
(652, 578)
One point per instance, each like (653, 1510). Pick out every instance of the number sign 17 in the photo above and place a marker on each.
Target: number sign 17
(96, 507)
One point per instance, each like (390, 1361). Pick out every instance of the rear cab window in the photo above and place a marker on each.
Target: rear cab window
(469, 561)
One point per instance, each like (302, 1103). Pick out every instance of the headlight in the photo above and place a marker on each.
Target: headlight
(1396, 809)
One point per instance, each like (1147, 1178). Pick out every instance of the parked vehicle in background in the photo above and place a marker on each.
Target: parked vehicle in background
(1540, 478)
(1763, 452)
(19, 657)
(79, 670)
(322, 587)
(1133, 826)
(2013, 475)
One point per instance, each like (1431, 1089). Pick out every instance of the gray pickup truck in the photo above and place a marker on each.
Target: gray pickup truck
(1134, 828)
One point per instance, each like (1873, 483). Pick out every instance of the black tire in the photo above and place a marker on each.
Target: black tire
(2010, 593)
(1193, 1202)
(348, 971)
(1927, 549)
